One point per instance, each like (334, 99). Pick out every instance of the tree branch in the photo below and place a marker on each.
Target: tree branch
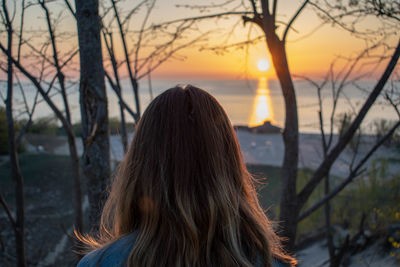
(222, 14)
(114, 87)
(354, 173)
(38, 86)
(293, 19)
(8, 212)
(324, 167)
(254, 7)
(274, 8)
(69, 6)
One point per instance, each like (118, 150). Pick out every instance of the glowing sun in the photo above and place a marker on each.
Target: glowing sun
(263, 64)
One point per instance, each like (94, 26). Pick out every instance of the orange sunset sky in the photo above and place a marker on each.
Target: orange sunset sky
(310, 51)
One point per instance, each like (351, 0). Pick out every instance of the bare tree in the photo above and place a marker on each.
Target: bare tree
(19, 223)
(93, 100)
(337, 15)
(336, 82)
(47, 65)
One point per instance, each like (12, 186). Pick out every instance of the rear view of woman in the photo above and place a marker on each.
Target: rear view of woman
(183, 196)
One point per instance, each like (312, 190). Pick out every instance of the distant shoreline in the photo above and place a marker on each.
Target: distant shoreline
(257, 148)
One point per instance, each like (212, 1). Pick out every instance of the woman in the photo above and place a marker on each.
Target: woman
(183, 196)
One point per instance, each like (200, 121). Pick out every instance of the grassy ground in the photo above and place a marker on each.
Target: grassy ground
(49, 198)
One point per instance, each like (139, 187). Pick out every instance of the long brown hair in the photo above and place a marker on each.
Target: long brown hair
(184, 188)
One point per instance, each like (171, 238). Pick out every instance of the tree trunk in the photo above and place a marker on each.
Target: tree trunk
(93, 101)
(73, 154)
(19, 187)
(19, 228)
(328, 228)
(124, 134)
(288, 206)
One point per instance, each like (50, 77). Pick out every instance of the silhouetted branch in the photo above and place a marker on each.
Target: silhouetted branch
(8, 212)
(197, 18)
(354, 173)
(29, 111)
(21, 27)
(389, 97)
(293, 19)
(139, 39)
(324, 167)
(69, 6)
(117, 92)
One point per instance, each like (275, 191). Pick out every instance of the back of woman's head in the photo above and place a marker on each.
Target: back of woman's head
(183, 187)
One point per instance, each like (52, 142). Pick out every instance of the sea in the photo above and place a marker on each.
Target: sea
(247, 102)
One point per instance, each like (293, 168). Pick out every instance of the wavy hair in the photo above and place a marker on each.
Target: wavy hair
(184, 188)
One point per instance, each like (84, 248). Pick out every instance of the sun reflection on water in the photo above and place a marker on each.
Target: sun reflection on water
(262, 107)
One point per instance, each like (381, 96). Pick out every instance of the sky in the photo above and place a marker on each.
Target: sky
(311, 48)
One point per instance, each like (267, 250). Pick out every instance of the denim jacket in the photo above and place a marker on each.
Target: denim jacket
(116, 254)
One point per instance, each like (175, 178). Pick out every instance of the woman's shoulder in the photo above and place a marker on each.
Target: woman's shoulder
(277, 263)
(114, 254)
